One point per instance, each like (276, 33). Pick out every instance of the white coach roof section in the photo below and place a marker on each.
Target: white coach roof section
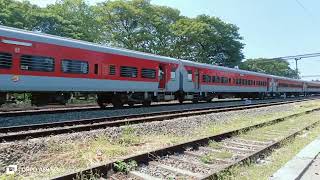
(233, 70)
(56, 40)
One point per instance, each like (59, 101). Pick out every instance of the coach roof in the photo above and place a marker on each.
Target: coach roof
(61, 41)
(234, 70)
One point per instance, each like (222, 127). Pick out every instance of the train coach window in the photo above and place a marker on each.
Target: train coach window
(96, 68)
(148, 73)
(126, 71)
(173, 74)
(189, 75)
(204, 78)
(217, 79)
(208, 78)
(112, 70)
(5, 60)
(238, 81)
(36, 63)
(224, 80)
(74, 66)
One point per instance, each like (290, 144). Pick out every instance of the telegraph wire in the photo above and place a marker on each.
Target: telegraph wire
(302, 6)
(306, 10)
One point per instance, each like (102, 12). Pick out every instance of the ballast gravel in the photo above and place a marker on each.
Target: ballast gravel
(24, 153)
(77, 115)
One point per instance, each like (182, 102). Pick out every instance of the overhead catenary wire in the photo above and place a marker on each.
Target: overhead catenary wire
(306, 10)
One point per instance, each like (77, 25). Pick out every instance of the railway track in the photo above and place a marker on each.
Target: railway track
(204, 158)
(41, 130)
(45, 110)
(77, 108)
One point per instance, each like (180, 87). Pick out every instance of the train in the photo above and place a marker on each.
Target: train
(52, 68)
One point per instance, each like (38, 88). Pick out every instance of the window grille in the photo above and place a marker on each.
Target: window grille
(36, 63)
(74, 66)
(112, 70)
(5, 61)
(126, 71)
(148, 73)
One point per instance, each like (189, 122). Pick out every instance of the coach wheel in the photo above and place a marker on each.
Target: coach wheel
(2, 98)
(195, 100)
(39, 99)
(146, 103)
(209, 100)
(65, 98)
(101, 104)
(39, 103)
(63, 102)
(131, 104)
(117, 103)
(261, 96)
(180, 99)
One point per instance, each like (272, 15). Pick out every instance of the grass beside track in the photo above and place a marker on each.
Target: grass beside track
(263, 169)
(61, 158)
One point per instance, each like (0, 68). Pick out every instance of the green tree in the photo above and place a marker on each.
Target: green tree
(69, 18)
(138, 25)
(209, 40)
(18, 14)
(276, 67)
(132, 24)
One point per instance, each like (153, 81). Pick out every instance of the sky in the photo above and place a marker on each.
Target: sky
(270, 28)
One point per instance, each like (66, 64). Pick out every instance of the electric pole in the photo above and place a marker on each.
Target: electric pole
(297, 58)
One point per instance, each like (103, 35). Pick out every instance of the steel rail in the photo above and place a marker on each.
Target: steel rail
(55, 110)
(107, 170)
(28, 131)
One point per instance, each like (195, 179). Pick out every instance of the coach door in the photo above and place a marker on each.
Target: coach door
(162, 76)
(196, 79)
(269, 85)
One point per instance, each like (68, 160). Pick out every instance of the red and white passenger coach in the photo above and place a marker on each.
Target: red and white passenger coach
(51, 68)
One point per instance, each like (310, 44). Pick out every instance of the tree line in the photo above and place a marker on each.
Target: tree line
(136, 25)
